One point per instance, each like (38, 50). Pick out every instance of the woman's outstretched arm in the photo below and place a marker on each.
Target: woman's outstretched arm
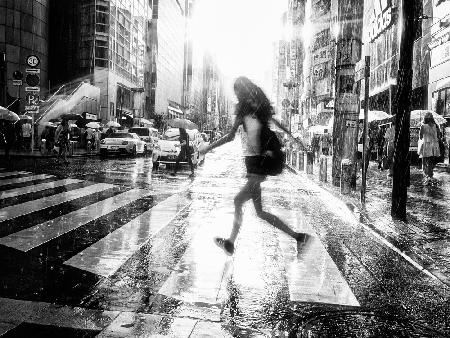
(226, 138)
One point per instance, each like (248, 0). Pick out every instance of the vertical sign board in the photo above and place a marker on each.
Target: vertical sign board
(33, 80)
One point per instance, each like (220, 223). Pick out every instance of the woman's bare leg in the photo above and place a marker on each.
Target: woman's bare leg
(268, 217)
(243, 196)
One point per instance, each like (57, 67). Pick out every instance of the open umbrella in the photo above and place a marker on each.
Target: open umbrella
(181, 123)
(25, 117)
(49, 124)
(374, 115)
(8, 115)
(418, 115)
(113, 124)
(93, 125)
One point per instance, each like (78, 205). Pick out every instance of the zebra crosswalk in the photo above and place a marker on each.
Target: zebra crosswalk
(108, 224)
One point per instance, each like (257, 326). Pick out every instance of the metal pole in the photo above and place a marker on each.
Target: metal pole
(32, 130)
(365, 155)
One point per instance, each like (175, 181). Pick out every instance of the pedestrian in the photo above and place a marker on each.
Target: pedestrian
(428, 147)
(380, 144)
(253, 112)
(185, 152)
(89, 139)
(109, 131)
(97, 136)
(62, 139)
(26, 135)
(389, 140)
(44, 137)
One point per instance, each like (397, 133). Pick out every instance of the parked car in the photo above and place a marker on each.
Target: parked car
(123, 143)
(149, 135)
(167, 149)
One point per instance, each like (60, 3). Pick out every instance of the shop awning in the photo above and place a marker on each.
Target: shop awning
(444, 83)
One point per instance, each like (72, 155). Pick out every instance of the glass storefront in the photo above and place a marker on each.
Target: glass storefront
(441, 102)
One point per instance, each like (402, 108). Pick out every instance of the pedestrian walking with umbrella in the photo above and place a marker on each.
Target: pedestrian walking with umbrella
(185, 152)
(62, 140)
(253, 113)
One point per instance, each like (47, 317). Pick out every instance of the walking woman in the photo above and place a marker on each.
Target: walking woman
(62, 139)
(253, 111)
(185, 152)
(429, 136)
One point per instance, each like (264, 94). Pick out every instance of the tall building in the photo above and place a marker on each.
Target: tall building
(168, 27)
(318, 94)
(106, 43)
(23, 32)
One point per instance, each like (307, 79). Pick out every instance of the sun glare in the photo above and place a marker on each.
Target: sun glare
(239, 33)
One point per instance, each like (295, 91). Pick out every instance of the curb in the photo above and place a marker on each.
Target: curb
(38, 155)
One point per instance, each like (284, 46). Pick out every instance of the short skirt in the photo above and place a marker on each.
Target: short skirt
(253, 166)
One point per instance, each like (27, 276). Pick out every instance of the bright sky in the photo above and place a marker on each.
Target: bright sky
(240, 33)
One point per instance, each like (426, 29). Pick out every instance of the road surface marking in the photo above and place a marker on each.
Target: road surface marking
(25, 208)
(199, 274)
(312, 274)
(14, 173)
(35, 236)
(107, 255)
(24, 179)
(35, 188)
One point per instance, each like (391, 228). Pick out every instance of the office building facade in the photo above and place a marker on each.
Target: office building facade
(106, 43)
(24, 27)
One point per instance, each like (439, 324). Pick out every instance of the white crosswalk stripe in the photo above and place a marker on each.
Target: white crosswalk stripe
(35, 236)
(24, 179)
(13, 173)
(17, 210)
(36, 188)
(108, 254)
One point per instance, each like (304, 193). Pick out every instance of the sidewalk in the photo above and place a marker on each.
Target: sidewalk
(425, 239)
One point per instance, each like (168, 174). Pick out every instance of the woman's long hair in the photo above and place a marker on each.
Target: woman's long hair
(252, 100)
(428, 119)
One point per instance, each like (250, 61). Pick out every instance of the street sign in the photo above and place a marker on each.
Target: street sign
(33, 70)
(17, 75)
(350, 123)
(33, 61)
(32, 99)
(32, 89)
(32, 108)
(17, 82)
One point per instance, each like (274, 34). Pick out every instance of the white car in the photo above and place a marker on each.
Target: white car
(148, 135)
(123, 143)
(167, 149)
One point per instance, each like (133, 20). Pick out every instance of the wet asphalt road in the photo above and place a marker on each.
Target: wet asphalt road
(347, 284)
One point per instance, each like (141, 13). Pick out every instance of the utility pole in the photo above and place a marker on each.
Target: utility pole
(346, 111)
(401, 173)
(365, 155)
